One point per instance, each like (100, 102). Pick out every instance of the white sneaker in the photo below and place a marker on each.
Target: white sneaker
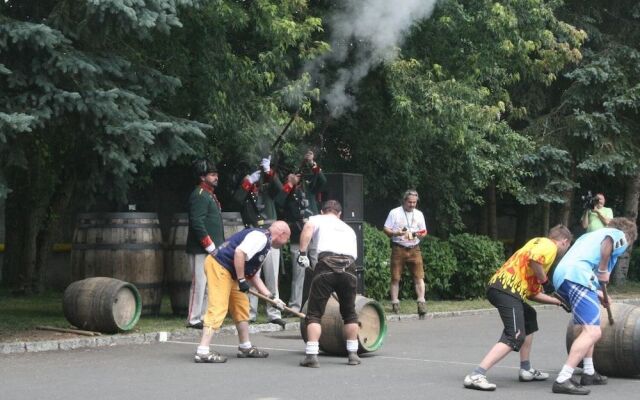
(532, 375)
(478, 382)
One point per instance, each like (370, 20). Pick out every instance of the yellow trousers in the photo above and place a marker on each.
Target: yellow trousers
(223, 296)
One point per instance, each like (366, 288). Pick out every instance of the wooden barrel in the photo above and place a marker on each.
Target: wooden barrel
(617, 353)
(178, 270)
(102, 304)
(371, 319)
(125, 246)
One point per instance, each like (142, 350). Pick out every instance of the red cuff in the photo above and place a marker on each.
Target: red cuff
(316, 169)
(287, 187)
(206, 241)
(269, 175)
(246, 185)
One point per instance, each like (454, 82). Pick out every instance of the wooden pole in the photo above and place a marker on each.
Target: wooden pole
(65, 330)
(606, 302)
(268, 300)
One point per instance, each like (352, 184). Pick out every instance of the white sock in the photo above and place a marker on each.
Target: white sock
(352, 346)
(312, 348)
(245, 345)
(588, 366)
(203, 350)
(565, 373)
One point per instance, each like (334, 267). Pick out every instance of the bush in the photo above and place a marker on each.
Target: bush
(478, 257)
(377, 253)
(440, 265)
(634, 265)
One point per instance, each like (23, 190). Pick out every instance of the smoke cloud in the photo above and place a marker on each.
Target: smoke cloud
(365, 33)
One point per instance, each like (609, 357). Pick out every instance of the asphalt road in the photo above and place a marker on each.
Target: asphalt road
(420, 360)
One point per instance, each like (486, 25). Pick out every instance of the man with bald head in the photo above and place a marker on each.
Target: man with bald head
(231, 270)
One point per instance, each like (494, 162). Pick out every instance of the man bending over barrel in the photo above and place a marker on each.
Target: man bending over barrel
(578, 276)
(229, 270)
(334, 272)
(523, 276)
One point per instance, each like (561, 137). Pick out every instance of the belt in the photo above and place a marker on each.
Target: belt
(404, 247)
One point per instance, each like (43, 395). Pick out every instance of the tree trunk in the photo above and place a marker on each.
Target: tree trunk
(546, 216)
(492, 219)
(631, 196)
(47, 235)
(565, 212)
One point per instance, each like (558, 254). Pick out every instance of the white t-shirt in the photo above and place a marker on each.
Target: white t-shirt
(331, 234)
(413, 221)
(253, 243)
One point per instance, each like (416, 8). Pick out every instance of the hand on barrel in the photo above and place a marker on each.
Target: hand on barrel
(303, 259)
(562, 303)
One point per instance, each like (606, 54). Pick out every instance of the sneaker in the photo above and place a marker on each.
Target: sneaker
(532, 375)
(595, 379)
(568, 387)
(210, 357)
(197, 325)
(478, 382)
(279, 321)
(311, 361)
(422, 309)
(354, 359)
(395, 308)
(253, 352)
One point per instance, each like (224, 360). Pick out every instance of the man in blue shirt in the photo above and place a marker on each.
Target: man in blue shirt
(577, 278)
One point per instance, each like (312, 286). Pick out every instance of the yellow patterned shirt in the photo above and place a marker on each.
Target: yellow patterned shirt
(516, 277)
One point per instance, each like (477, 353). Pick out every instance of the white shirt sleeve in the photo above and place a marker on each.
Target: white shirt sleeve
(253, 243)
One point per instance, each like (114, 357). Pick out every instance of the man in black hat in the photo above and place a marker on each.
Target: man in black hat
(205, 233)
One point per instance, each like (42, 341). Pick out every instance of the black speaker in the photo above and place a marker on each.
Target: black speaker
(348, 190)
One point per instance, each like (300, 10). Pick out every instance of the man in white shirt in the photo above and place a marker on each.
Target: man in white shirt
(335, 272)
(405, 225)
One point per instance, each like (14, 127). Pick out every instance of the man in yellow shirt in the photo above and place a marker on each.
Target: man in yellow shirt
(522, 277)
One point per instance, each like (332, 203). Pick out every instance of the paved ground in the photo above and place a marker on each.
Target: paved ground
(419, 360)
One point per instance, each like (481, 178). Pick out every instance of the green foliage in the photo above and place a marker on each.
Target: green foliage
(478, 257)
(634, 265)
(377, 253)
(440, 266)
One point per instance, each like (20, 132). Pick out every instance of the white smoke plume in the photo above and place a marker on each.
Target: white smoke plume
(368, 32)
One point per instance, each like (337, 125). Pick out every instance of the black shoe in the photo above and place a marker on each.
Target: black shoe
(567, 387)
(595, 379)
(279, 321)
(195, 326)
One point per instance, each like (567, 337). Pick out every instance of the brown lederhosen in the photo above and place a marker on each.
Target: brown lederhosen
(333, 273)
(410, 256)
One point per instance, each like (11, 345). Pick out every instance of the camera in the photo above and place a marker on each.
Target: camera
(589, 201)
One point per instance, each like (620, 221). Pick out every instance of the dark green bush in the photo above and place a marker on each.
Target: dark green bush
(377, 253)
(440, 265)
(634, 265)
(478, 257)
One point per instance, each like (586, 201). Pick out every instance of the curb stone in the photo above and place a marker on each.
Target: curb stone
(193, 334)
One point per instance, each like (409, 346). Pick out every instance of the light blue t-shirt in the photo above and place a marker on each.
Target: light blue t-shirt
(580, 263)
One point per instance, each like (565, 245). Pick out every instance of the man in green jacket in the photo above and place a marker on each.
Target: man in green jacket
(205, 233)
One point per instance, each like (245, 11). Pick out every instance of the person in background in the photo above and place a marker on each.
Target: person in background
(303, 195)
(405, 225)
(598, 216)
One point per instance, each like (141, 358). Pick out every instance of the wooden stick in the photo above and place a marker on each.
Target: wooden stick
(268, 300)
(66, 330)
(607, 306)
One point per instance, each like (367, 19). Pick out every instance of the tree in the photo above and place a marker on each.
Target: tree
(77, 115)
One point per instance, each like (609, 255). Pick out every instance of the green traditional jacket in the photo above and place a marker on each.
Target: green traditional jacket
(205, 220)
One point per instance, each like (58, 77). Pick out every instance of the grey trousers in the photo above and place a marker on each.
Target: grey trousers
(270, 269)
(297, 274)
(198, 291)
